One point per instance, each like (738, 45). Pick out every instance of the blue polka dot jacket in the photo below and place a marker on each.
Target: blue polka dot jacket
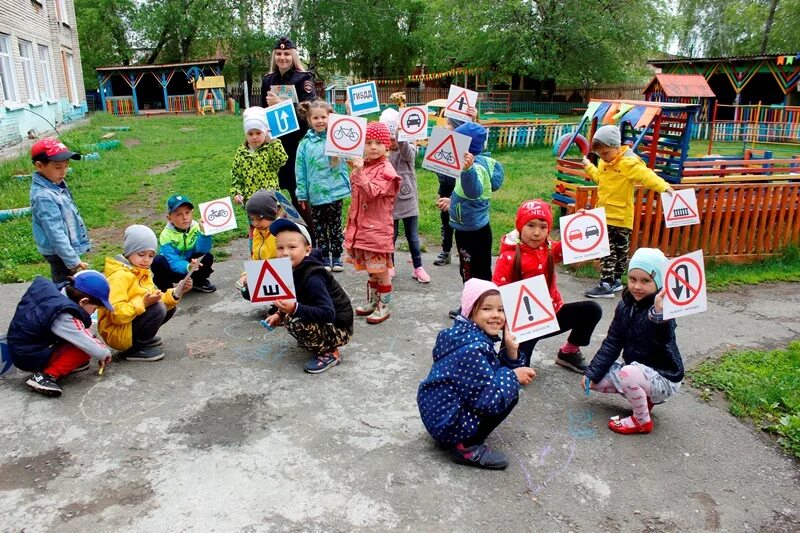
(469, 380)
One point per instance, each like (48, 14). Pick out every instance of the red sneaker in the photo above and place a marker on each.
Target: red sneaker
(616, 425)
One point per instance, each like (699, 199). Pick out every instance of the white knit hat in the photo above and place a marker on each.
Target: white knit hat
(255, 118)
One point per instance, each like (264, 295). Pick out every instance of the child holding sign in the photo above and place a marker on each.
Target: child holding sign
(139, 308)
(472, 388)
(653, 368)
(368, 238)
(527, 252)
(323, 182)
(616, 174)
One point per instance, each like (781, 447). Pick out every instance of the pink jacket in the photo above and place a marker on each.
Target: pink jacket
(369, 223)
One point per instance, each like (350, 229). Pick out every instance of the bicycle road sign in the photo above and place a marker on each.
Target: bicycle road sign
(413, 123)
(584, 236)
(458, 100)
(345, 137)
(270, 280)
(680, 209)
(217, 216)
(685, 286)
(533, 315)
(445, 152)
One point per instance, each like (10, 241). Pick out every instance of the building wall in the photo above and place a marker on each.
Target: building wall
(49, 23)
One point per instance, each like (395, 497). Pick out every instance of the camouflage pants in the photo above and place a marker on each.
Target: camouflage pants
(615, 264)
(318, 339)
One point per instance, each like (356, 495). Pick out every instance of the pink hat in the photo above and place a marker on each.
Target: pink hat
(473, 289)
(378, 131)
(534, 210)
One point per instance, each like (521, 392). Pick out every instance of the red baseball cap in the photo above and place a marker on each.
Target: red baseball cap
(52, 149)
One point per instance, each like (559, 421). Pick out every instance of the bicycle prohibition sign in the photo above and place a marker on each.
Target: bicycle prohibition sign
(348, 132)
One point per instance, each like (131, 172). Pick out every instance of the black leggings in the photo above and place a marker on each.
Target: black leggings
(487, 424)
(446, 188)
(475, 253)
(579, 318)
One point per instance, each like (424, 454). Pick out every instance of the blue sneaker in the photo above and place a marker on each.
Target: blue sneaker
(326, 262)
(338, 265)
(321, 363)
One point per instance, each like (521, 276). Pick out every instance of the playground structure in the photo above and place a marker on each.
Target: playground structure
(682, 89)
(751, 124)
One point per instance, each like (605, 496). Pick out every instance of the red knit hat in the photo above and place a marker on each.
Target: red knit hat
(378, 131)
(534, 210)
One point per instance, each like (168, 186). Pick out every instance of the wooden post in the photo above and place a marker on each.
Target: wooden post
(132, 79)
(164, 89)
(711, 133)
(101, 89)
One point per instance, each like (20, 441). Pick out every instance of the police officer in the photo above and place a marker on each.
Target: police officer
(287, 70)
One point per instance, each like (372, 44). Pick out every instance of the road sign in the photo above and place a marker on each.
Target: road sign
(270, 280)
(584, 236)
(680, 209)
(413, 123)
(363, 99)
(345, 136)
(445, 153)
(217, 216)
(685, 286)
(458, 100)
(287, 206)
(285, 92)
(282, 119)
(529, 308)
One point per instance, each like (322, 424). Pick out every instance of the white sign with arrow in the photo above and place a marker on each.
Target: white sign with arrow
(685, 286)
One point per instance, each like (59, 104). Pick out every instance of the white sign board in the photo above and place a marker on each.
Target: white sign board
(445, 153)
(685, 286)
(282, 119)
(270, 280)
(680, 209)
(458, 100)
(584, 236)
(529, 308)
(217, 216)
(345, 136)
(413, 123)
(363, 99)
(285, 92)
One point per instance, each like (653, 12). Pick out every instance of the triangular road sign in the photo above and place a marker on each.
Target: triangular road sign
(452, 106)
(680, 212)
(271, 292)
(451, 159)
(527, 310)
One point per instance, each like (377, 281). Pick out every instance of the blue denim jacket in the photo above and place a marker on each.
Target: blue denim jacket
(58, 228)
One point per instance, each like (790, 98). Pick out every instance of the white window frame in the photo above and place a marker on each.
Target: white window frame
(71, 81)
(48, 90)
(61, 11)
(28, 69)
(8, 70)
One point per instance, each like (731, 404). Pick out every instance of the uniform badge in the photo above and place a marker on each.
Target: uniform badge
(308, 86)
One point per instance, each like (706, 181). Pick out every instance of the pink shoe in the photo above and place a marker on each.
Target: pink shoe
(391, 272)
(420, 275)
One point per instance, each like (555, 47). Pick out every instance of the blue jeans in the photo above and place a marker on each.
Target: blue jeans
(412, 236)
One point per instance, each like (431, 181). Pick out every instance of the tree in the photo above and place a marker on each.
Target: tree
(102, 30)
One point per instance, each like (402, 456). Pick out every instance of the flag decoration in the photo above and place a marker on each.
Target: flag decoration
(424, 77)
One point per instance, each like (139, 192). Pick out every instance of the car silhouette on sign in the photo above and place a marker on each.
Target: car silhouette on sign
(413, 120)
(592, 231)
(575, 235)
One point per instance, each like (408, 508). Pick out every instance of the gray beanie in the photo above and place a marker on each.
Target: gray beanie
(263, 204)
(608, 136)
(138, 238)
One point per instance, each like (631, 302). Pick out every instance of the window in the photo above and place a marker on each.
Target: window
(28, 72)
(48, 91)
(8, 80)
(69, 72)
(61, 11)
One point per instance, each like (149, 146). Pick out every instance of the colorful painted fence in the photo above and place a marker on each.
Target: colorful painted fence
(119, 105)
(504, 137)
(182, 103)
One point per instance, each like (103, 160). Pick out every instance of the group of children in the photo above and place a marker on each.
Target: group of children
(471, 387)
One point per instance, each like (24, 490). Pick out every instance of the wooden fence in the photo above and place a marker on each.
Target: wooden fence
(119, 105)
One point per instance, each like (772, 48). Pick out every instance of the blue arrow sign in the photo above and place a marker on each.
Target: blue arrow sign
(282, 119)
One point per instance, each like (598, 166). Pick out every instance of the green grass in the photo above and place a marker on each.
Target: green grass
(763, 386)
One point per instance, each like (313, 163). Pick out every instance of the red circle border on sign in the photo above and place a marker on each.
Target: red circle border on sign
(671, 270)
(423, 122)
(205, 219)
(590, 248)
(360, 134)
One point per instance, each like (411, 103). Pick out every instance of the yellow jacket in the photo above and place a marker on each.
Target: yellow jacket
(264, 246)
(615, 183)
(128, 286)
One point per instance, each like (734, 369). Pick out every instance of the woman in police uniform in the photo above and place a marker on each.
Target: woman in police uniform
(288, 70)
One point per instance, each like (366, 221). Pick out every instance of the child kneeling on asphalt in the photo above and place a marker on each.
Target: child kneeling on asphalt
(321, 317)
(49, 334)
(138, 308)
(653, 369)
(471, 387)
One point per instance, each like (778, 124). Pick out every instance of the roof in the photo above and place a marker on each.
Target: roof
(681, 85)
(754, 57)
(202, 62)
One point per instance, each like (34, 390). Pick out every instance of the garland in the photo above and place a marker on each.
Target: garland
(424, 77)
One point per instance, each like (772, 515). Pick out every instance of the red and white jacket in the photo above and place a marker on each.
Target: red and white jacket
(533, 263)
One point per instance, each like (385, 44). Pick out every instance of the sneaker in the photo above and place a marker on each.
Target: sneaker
(144, 353)
(421, 276)
(326, 262)
(632, 427)
(206, 286)
(82, 368)
(155, 341)
(617, 285)
(602, 290)
(442, 259)
(573, 361)
(321, 363)
(44, 383)
(479, 456)
(453, 313)
(338, 265)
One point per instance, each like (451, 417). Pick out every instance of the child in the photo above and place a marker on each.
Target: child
(49, 334)
(58, 229)
(653, 368)
(402, 156)
(527, 252)
(471, 388)
(323, 182)
(368, 238)
(616, 175)
(179, 243)
(258, 159)
(262, 210)
(321, 317)
(138, 308)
